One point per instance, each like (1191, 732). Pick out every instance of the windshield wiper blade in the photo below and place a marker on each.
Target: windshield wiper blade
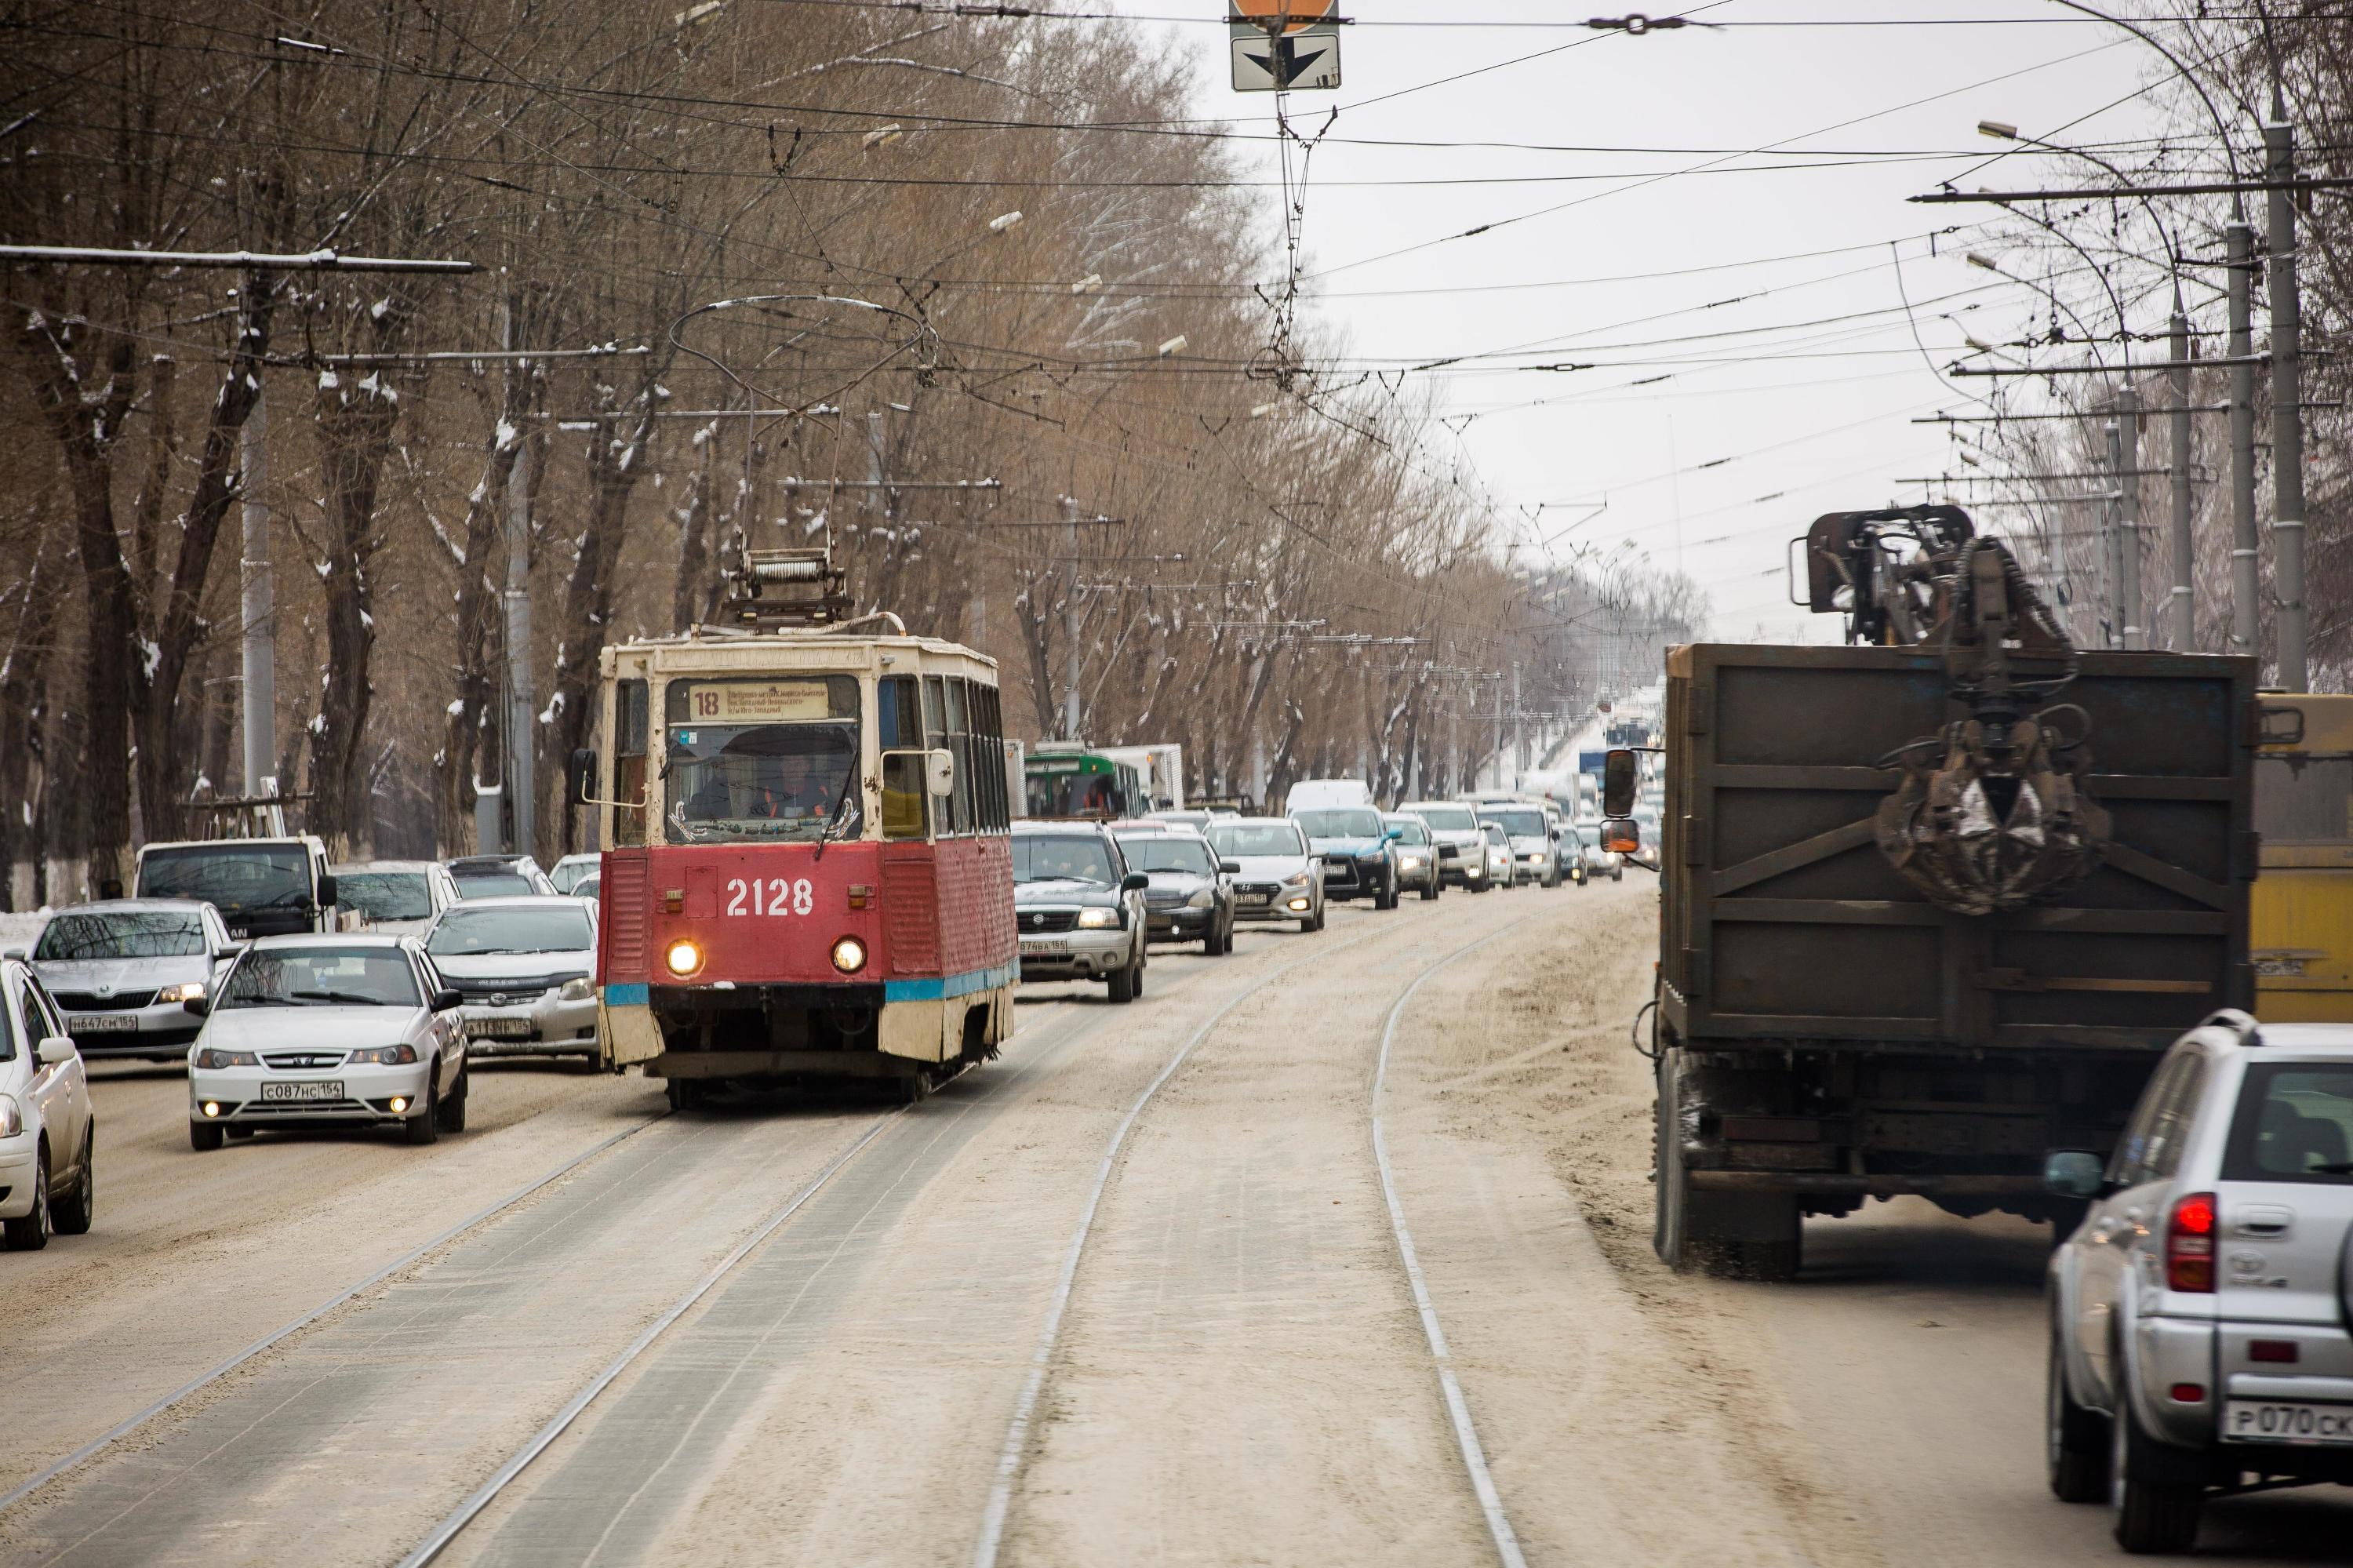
(350, 998)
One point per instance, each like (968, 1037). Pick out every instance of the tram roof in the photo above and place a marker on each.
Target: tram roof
(791, 648)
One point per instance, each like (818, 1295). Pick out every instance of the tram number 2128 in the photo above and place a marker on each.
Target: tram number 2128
(776, 896)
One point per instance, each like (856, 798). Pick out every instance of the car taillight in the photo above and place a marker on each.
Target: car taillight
(2189, 1245)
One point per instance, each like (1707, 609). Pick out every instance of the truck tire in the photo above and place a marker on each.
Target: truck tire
(2076, 1448)
(1731, 1236)
(2156, 1491)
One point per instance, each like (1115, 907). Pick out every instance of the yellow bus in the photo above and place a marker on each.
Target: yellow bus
(2302, 932)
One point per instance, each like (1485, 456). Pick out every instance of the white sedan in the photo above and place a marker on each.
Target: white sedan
(310, 1031)
(48, 1175)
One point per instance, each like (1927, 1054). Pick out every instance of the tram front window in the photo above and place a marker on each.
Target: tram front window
(760, 760)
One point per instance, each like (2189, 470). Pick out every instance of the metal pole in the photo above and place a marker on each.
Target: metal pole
(2246, 618)
(2112, 614)
(1519, 730)
(2185, 608)
(522, 732)
(1071, 621)
(255, 601)
(2128, 601)
(2287, 417)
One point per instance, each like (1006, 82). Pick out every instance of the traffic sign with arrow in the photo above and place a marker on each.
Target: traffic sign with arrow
(1307, 59)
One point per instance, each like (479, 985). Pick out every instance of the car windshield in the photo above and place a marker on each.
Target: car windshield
(154, 934)
(384, 894)
(1521, 824)
(1409, 831)
(1168, 852)
(570, 872)
(1448, 819)
(1060, 857)
(2294, 1123)
(232, 878)
(762, 759)
(1256, 839)
(464, 933)
(322, 977)
(494, 884)
(1347, 823)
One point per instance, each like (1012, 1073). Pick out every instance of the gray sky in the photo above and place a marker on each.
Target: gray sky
(1814, 416)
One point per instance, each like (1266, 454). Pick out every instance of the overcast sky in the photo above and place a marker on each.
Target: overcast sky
(1815, 417)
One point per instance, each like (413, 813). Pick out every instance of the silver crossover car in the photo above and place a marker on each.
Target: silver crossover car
(2200, 1339)
(1277, 877)
(328, 1031)
(122, 970)
(526, 967)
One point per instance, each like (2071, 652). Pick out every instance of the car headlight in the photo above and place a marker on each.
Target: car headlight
(1204, 899)
(1411, 862)
(213, 1056)
(382, 1056)
(1097, 920)
(194, 990)
(12, 1117)
(577, 990)
(683, 957)
(849, 955)
(1298, 881)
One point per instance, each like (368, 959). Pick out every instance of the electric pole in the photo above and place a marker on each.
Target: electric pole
(2287, 399)
(255, 604)
(1071, 619)
(2185, 609)
(2112, 596)
(2246, 616)
(2128, 438)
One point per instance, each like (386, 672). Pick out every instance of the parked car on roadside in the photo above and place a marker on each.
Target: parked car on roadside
(566, 874)
(49, 1132)
(318, 1031)
(1190, 893)
(1277, 877)
(1421, 865)
(1360, 857)
(498, 877)
(396, 896)
(524, 970)
(1079, 910)
(2201, 1315)
(121, 970)
(1451, 822)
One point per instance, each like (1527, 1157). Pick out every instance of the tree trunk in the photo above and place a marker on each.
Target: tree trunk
(614, 468)
(23, 687)
(355, 426)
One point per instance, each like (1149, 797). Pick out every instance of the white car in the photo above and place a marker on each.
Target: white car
(339, 1031)
(396, 896)
(569, 873)
(1278, 877)
(526, 969)
(1498, 846)
(120, 970)
(48, 1132)
(1455, 824)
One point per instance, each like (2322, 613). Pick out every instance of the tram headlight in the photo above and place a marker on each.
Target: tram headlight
(684, 956)
(849, 955)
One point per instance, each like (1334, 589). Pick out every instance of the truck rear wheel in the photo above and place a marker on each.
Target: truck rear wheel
(1732, 1236)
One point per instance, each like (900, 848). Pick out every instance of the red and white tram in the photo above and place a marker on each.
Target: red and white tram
(807, 872)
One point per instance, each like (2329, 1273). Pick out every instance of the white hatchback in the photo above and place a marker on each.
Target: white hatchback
(48, 1132)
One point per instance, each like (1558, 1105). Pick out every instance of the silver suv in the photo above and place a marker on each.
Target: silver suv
(2201, 1316)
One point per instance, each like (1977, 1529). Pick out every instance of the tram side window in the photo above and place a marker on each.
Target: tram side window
(1000, 811)
(960, 746)
(630, 714)
(906, 789)
(935, 735)
(987, 760)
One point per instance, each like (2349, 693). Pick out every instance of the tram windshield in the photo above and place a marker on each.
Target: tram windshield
(762, 759)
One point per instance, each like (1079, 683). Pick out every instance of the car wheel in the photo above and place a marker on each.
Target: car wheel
(1618, 873)
(1123, 983)
(2075, 1446)
(31, 1233)
(453, 1109)
(73, 1216)
(2156, 1495)
(685, 1094)
(1320, 911)
(424, 1125)
(1142, 961)
(1430, 890)
(204, 1137)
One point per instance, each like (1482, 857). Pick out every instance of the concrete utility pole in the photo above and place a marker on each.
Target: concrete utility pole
(1519, 730)
(1071, 619)
(2246, 618)
(2185, 609)
(2112, 613)
(2287, 400)
(522, 701)
(256, 603)
(2128, 438)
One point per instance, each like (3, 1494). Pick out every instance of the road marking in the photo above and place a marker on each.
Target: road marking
(1466, 1435)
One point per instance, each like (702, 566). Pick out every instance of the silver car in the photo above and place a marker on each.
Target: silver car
(1456, 826)
(1278, 877)
(328, 1031)
(525, 967)
(2200, 1339)
(397, 896)
(122, 971)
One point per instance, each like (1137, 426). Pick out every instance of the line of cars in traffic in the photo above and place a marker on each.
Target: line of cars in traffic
(1090, 898)
(362, 1001)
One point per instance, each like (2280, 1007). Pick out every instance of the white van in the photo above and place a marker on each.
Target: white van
(1326, 794)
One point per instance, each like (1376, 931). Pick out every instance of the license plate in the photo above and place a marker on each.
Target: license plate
(2274, 1421)
(102, 1024)
(498, 1028)
(1042, 949)
(2280, 968)
(311, 1089)
(1258, 899)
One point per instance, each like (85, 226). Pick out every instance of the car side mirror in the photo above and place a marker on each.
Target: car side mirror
(448, 1000)
(55, 1051)
(16, 953)
(199, 1006)
(326, 891)
(1620, 779)
(1621, 836)
(2074, 1173)
(1134, 882)
(1393, 835)
(1229, 868)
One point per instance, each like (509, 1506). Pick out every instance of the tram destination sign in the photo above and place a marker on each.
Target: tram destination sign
(758, 701)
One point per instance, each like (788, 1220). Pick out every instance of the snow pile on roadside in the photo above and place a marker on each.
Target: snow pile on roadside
(18, 931)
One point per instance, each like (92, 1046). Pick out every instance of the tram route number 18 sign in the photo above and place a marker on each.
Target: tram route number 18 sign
(757, 702)
(1302, 56)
